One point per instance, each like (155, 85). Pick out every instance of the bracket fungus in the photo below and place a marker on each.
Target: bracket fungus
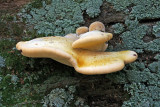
(84, 61)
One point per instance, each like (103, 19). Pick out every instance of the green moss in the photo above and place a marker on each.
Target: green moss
(17, 30)
(7, 17)
(3, 28)
(8, 84)
(37, 4)
(8, 52)
(59, 17)
(9, 26)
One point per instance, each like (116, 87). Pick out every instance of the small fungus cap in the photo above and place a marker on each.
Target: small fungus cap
(82, 30)
(97, 26)
(92, 38)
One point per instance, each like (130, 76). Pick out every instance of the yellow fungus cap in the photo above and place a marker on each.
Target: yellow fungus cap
(82, 30)
(92, 39)
(97, 26)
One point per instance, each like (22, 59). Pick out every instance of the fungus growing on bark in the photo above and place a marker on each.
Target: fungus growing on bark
(91, 40)
(84, 61)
